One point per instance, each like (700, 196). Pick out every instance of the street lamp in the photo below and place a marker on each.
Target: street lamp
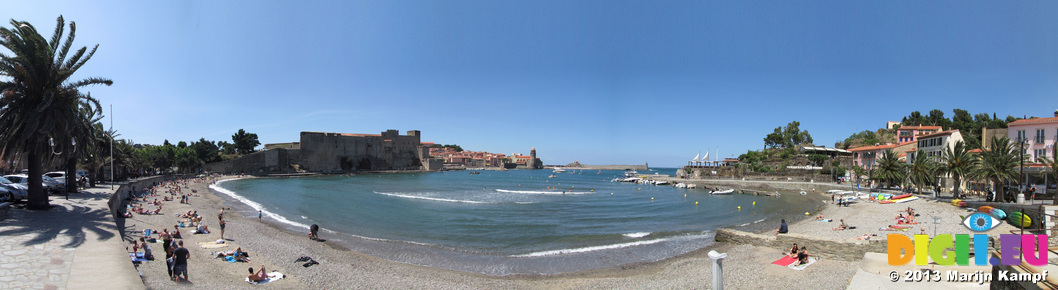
(73, 146)
(1021, 176)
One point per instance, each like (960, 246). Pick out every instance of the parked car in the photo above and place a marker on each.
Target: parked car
(17, 191)
(59, 186)
(24, 181)
(57, 175)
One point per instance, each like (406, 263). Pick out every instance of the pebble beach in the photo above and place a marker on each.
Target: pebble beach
(276, 249)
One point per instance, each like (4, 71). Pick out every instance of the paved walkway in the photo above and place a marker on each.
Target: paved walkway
(73, 245)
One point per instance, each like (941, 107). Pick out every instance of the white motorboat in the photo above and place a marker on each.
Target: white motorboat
(559, 170)
(726, 191)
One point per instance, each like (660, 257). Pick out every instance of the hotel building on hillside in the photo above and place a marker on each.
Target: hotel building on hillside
(911, 133)
(1038, 134)
(934, 145)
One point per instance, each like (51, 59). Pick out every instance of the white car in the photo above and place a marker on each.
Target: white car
(57, 175)
(23, 180)
(18, 191)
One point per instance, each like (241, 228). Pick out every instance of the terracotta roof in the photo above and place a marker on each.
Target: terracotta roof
(1034, 121)
(902, 155)
(939, 133)
(912, 150)
(919, 128)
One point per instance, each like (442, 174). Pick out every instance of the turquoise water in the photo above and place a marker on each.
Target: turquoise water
(503, 222)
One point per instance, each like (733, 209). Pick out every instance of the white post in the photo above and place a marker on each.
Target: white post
(718, 269)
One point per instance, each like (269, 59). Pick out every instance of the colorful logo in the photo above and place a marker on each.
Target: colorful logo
(902, 249)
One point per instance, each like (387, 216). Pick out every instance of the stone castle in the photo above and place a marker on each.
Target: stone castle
(342, 152)
(336, 152)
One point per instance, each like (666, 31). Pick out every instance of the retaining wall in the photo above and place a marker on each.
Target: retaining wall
(118, 200)
(838, 249)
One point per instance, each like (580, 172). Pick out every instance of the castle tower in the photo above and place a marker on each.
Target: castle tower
(533, 162)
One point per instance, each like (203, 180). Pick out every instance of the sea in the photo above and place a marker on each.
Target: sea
(505, 222)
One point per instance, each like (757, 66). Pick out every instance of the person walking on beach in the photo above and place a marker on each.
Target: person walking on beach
(180, 262)
(258, 216)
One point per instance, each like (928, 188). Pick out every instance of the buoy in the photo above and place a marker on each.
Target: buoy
(592, 190)
(684, 195)
(754, 203)
(651, 198)
(806, 213)
(611, 194)
(695, 203)
(740, 207)
(639, 188)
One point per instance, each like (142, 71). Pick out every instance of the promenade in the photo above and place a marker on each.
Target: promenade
(73, 245)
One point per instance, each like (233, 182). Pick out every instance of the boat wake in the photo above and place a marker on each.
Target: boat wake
(400, 195)
(545, 192)
(589, 249)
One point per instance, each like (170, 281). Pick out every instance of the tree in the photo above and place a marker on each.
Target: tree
(922, 171)
(958, 162)
(244, 141)
(998, 164)
(206, 151)
(890, 168)
(226, 148)
(38, 100)
(775, 139)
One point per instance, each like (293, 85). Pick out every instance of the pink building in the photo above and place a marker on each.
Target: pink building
(1039, 135)
(911, 133)
(866, 157)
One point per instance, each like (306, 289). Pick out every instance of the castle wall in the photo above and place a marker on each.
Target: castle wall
(327, 152)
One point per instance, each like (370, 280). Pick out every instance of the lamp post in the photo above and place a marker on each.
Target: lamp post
(1021, 176)
(73, 146)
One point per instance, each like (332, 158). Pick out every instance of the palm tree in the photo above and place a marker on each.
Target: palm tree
(889, 168)
(39, 101)
(958, 162)
(922, 171)
(998, 164)
(1050, 162)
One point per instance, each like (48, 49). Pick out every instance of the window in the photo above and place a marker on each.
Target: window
(1041, 153)
(1039, 136)
(1021, 136)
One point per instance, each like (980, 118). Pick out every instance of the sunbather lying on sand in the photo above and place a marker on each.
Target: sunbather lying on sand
(842, 226)
(259, 276)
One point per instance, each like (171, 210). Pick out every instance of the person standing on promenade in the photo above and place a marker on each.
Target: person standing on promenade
(180, 262)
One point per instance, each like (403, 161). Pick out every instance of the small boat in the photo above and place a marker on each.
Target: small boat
(680, 185)
(559, 170)
(600, 172)
(631, 173)
(475, 172)
(726, 191)
(552, 176)
(661, 182)
(804, 193)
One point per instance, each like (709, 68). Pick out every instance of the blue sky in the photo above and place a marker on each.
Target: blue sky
(602, 82)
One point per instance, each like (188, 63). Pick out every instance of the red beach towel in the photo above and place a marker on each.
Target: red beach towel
(785, 261)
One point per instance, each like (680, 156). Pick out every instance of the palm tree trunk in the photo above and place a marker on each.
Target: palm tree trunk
(71, 175)
(38, 199)
(955, 192)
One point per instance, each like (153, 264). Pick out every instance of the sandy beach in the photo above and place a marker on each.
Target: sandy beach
(746, 266)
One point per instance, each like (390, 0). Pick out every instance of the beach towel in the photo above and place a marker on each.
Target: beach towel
(785, 261)
(137, 257)
(271, 277)
(892, 229)
(802, 267)
(824, 220)
(211, 245)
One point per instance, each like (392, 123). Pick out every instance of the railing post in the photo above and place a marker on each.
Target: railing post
(718, 271)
